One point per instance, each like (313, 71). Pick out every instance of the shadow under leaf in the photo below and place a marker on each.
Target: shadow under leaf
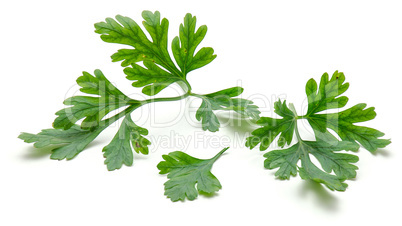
(382, 152)
(237, 124)
(32, 153)
(323, 196)
(208, 195)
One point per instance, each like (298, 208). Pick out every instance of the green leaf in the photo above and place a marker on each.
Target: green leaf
(99, 85)
(335, 167)
(339, 163)
(227, 93)
(309, 171)
(326, 97)
(244, 107)
(160, 71)
(285, 159)
(93, 109)
(119, 151)
(223, 100)
(128, 56)
(208, 119)
(326, 153)
(184, 46)
(153, 78)
(188, 176)
(65, 144)
(272, 127)
(154, 53)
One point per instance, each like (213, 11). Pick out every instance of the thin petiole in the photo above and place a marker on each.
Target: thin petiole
(293, 109)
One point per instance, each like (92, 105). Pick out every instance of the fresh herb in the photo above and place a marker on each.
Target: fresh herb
(185, 173)
(336, 167)
(149, 65)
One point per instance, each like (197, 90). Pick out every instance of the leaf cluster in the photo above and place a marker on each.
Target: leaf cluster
(147, 64)
(335, 167)
(188, 176)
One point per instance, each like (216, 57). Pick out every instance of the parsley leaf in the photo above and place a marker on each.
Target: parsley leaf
(154, 78)
(223, 100)
(149, 64)
(160, 71)
(343, 122)
(188, 176)
(93, 109)
(325, 97)
(65, 144)
(184, 47)
(336, 167)
(68, 139)
(119, 151)
(326, 153)
(272, 127)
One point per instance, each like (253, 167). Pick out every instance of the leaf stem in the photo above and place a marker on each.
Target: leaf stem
(186, 88)
(134, 104)
(213, 159)
(293, 109)
(197, 95)
(107, 122)
(162, 99)
(303, 117)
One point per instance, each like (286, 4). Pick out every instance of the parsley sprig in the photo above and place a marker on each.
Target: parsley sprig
(147, 63)
(188, 176)
(336, 167)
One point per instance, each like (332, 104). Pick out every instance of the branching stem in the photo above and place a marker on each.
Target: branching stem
(293, 109)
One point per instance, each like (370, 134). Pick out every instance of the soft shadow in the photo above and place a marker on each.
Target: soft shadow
(237, 124)
(382, 152)
(323, 196)
(32, 153)
(208, 195)
(139, 156)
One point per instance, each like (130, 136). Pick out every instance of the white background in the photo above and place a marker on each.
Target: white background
(271, 48)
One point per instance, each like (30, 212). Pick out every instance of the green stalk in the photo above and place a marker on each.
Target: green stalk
(293, 109)
(213, 159)
(163, 99)
(107, 122)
